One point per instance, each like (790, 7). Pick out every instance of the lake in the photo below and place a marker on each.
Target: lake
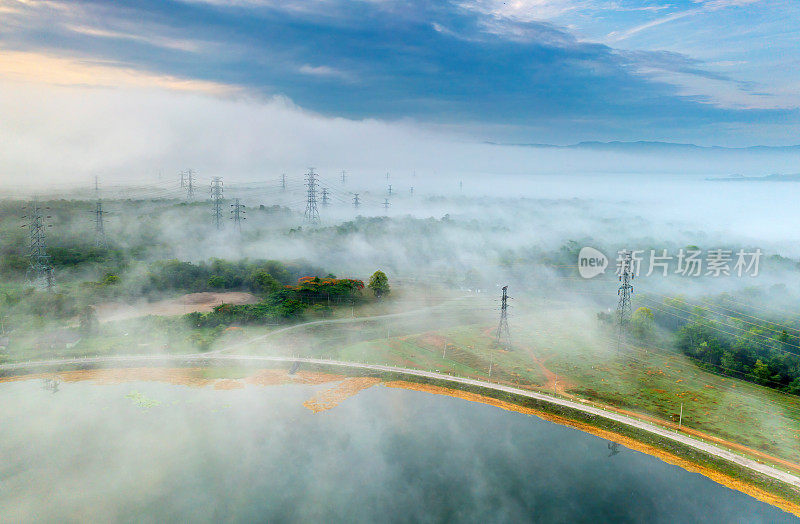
(157, 451)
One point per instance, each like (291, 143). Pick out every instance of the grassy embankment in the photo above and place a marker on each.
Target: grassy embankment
(549, 354)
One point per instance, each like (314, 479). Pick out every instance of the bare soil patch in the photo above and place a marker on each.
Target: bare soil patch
(193, 302)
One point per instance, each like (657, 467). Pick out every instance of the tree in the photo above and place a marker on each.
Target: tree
(761, 372)
(642, 324)
(110, 279)
(379, 283)
(794, 386)
(88, 320)
(216, 282)
(264, 283)
(605, 318)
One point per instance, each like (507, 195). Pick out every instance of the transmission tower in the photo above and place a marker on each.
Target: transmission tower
(283, 182)
(40, 272)
(502, 327)
(325, 200)
(344, 177)
(312, 213)
(390, 189)
(99, 227)
(187, 182)
(216, 200)
(356, 201)
(412, 190)
(238, 213)
(386, 205)
(625, 291)
(387, 177)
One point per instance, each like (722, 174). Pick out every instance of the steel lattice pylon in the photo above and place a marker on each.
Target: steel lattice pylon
(40, 272)
(312, 213)
(502, 328)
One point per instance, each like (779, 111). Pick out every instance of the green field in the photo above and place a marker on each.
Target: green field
(566, 349)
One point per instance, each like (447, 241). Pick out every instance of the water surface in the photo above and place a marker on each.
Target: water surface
(156, 452)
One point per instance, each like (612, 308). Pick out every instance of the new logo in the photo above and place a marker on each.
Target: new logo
(591, 262)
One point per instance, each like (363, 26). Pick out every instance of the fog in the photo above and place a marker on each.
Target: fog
(65, 136)
(480, 216)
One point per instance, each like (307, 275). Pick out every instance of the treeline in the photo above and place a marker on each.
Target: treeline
(20, 302)
(757, 355)
(256, 276)
(320, 295)
(726, 339)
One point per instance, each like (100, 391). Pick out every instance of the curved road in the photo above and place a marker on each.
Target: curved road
(711, 449)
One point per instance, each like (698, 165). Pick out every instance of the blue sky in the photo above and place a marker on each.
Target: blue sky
(719, 72)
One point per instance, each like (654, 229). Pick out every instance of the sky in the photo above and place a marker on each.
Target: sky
(710, 72)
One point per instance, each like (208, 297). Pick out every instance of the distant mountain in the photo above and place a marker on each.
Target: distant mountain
(647, 146)
(767, 178)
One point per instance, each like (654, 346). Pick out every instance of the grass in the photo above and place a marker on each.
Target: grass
(561, 340)
(655, 382)
(567, 343)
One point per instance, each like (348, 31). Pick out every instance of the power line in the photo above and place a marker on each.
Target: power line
(675, 356)
(216, 200)
(742, 331)
(735, 314)
(312, 213)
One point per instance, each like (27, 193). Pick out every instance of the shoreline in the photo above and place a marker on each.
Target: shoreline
(773, 491)
(630, 443)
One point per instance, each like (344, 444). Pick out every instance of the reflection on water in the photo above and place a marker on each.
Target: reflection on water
(160, 452)
(51, 384)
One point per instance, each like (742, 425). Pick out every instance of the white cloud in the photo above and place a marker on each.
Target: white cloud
(722, 4)
(526, 10)
(154, 40)
(724, 93)
(617, 36)
(56, 134)
(704, 6)
(325, 71)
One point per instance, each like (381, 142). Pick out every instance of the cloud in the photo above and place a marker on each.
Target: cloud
(618, 36)
(66, 133)
(527, 10)
(722, 4)
(153, 40)
(705, 6)
(325, 71)
(20, 66)
(491, 69)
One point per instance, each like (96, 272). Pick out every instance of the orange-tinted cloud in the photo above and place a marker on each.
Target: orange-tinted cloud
(22, 66)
